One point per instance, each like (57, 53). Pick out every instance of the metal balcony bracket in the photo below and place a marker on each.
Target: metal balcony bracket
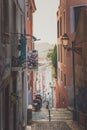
(77, 50)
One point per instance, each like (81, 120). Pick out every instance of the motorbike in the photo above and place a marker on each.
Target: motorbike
(37, 103)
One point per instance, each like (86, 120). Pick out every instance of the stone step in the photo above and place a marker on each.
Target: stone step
(61, 118)
(56, 113)
(62, 115)
(68, 116)
(60, 111)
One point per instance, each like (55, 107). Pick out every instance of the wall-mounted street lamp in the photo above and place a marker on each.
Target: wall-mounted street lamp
(78, 50)
(74, 48)
(65, 40)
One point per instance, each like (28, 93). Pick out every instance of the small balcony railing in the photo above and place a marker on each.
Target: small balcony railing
(15, 62)
(18, 63)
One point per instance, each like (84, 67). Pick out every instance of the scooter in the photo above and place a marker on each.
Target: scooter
(37, 104)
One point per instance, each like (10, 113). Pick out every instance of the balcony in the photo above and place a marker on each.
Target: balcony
(18, 63)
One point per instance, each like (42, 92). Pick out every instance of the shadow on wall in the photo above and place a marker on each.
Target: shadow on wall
(82, 99)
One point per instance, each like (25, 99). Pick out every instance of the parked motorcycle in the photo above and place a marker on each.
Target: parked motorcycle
(37, 103)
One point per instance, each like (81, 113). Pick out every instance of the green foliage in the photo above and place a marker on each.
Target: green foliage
(54, 57)
(49, 55)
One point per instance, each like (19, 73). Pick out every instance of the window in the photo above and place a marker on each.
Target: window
(61, 76)
(61, 51)
(59, 73)
(64, 79)
(77, 11)
(60, 2)
(74, 17)
(27, 14)
(64, 56)
(21, 23)
(64, 22)
(6, 15)
(60, 25)
(14, 17)
(58, 29)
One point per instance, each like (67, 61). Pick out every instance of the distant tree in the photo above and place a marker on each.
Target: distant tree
(52, 55)
(49, 54)
(54, 60)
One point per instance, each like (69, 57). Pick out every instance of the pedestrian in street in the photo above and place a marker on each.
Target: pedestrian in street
(47, 105)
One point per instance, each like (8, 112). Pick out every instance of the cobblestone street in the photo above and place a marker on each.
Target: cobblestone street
(56, 115)
(51, 126)
(54, 126)
(61, 119)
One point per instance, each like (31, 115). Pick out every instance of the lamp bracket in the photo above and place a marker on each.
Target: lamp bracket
(77, 50)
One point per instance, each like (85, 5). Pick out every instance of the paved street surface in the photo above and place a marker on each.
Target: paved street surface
(55, 114)
(61, 119)
(54, 125)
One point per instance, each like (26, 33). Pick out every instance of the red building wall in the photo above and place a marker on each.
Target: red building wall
(31, 8)
(64, 20)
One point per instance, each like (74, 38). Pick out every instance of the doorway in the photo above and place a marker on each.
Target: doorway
(14, 105)
(6, 117)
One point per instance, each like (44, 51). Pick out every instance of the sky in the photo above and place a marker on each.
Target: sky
(45, 20)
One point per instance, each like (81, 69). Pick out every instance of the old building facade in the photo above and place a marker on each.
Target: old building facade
(12, 65)
(71, 63)
(31, 8)
(66, 23)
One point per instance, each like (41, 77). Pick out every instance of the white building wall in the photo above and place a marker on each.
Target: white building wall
(48, 80)
(44, 69)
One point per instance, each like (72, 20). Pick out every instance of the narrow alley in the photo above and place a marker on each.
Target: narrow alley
(43, 64)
